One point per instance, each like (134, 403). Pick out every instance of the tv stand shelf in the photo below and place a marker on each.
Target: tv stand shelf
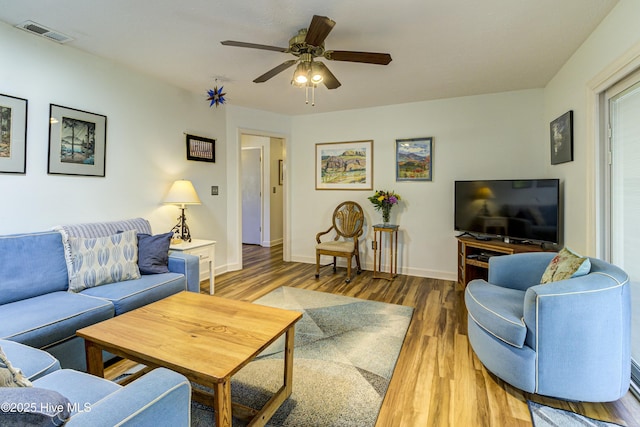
(473, 256)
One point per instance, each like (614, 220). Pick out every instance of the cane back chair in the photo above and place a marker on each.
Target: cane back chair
(348, 219)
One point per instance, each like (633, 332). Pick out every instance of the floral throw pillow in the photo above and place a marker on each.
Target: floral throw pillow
(9, 375)
(101, 260)
(567, 264)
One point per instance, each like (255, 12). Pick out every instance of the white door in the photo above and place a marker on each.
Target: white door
(624, 196)
(251, 196)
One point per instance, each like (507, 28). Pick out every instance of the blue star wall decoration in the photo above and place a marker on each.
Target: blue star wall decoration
(216, 96)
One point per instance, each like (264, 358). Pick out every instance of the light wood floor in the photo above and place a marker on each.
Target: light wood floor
(438, 381)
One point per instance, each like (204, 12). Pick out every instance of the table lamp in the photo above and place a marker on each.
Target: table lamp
(182, 193)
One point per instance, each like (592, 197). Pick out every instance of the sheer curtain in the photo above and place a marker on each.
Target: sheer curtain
(623, 102)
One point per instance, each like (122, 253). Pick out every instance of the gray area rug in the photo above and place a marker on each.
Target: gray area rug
(345, 353)
(546, 416)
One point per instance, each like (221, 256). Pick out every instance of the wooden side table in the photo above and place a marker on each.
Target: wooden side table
(392, 238)
(206, 251)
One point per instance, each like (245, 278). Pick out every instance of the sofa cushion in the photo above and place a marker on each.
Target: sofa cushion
(565, 265)
(30, 265)
(33, 363)
(497, 310)
(153, 253)
(132, 294)
(100, 260)
(51, 318)
(11, 376)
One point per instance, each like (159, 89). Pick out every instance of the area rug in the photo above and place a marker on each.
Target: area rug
(345, 353)
(546, 416)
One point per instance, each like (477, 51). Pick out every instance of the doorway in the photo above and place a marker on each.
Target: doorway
(251, 196)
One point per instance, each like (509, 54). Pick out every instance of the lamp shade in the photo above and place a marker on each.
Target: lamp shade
(182, 193)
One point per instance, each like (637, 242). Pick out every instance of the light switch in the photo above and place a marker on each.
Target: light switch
(214, 190)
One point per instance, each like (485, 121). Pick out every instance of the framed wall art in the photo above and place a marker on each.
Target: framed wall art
(13, 134)
(562, 139)
(344, 165)
(414, 159)
(77, 142)
(201, 149)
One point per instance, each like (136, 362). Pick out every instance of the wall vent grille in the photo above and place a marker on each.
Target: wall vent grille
(42, 31)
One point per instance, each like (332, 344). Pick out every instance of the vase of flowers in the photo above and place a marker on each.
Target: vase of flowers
(383, 201)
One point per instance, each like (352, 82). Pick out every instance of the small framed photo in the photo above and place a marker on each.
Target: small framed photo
(201, 149)
(562, 139)
(13, 134)
(344, 165)
(414, 159)
(77, 142)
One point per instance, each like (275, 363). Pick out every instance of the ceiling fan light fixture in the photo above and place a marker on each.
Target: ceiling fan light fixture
(301, 75)
(316, 73)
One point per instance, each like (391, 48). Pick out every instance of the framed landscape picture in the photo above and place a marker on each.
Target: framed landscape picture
(414, 159)
(77, 142)
(344, 165)
(201, 149)
(562, 139)
(13, 134)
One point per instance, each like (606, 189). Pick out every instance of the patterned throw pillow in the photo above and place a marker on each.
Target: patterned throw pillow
(565, 265)
(10, 376)
(101, 260)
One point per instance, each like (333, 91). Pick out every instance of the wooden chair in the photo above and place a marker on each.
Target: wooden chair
(348, 219)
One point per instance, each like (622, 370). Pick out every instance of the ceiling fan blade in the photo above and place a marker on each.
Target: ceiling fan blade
(328, 79)
(319, 29)
(274, 71)
(253, 46)
(350, 56)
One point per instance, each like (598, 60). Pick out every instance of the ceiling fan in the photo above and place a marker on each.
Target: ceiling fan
(308, 45)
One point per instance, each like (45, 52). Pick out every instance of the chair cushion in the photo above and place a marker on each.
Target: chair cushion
(51, 318)
(83, 390)
(346, 246)
(497, 310)
(132, 294)
(33, 363)
(34, 407)
(567, 264)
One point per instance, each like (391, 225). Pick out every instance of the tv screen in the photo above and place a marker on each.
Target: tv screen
(523, 210)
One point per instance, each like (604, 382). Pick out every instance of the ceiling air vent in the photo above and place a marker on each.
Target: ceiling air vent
(42, 31)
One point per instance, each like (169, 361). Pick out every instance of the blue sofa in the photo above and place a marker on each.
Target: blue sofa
(568, 339)
(161, 397)
(36, 307)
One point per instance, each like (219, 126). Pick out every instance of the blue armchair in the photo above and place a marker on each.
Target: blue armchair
(568, 339)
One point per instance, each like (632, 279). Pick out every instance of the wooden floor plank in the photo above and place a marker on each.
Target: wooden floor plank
(438, 380)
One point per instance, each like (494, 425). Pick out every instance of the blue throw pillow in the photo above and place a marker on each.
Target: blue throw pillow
(33, 406)
(153, 253)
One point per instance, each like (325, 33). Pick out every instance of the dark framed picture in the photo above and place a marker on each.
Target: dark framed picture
(280, 172)
(201, 149)
(344, 165)
(13, 134)
(414, 159)
(77, 142)
(562, 139)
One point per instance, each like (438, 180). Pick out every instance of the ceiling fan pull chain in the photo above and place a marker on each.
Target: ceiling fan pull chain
(313, 95)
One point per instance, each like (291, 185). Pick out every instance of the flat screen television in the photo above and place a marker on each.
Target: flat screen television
(523, 210)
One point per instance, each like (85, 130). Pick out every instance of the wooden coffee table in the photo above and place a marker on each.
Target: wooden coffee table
(205, 338)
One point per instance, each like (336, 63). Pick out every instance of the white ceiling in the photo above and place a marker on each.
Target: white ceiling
(440, 48)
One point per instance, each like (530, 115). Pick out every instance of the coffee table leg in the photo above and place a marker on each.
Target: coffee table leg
(288, 361)
(95, 366)
(222, 403)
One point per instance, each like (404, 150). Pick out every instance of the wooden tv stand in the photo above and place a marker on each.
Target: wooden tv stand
(473, 255)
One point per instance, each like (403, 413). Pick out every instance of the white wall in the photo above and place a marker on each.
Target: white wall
(572, 89)
(145, 151)
(479, 137)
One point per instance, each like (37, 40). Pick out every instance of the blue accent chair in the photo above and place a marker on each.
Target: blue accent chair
(568, 339)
